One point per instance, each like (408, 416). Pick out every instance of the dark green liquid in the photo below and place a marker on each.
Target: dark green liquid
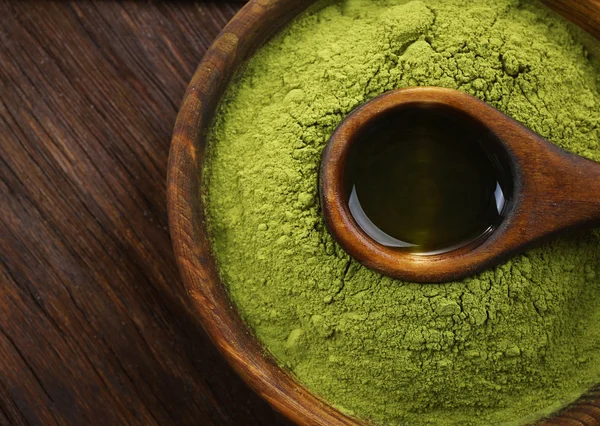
(421, 180)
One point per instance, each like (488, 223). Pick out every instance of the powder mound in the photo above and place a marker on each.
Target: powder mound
(403, 24)
(509, 345)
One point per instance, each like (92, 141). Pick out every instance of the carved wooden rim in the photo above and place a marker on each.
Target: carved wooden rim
(253, 25)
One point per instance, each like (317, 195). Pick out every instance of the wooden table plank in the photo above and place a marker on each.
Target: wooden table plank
(95, 327)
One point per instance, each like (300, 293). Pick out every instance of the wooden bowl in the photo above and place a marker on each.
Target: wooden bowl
(251, 27)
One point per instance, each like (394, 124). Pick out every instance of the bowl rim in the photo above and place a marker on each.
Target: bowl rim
(254, 24)
(251, 26)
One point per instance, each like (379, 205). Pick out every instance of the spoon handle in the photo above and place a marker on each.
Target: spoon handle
(558, 190)
(554, 191)
(568, 192)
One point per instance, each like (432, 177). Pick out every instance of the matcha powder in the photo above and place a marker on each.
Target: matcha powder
(507, 346)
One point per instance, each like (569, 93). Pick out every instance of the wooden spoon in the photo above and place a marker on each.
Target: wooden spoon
(551, 191)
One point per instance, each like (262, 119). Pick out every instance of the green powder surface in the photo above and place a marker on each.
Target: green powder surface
(507, 346)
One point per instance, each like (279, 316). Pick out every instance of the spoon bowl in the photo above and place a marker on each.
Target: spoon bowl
(542, 190)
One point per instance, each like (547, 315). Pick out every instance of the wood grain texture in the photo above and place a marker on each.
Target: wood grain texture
(540, 205)
(248, 29)
(95, 325)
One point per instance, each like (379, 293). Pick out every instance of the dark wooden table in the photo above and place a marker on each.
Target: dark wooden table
(95, 327)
